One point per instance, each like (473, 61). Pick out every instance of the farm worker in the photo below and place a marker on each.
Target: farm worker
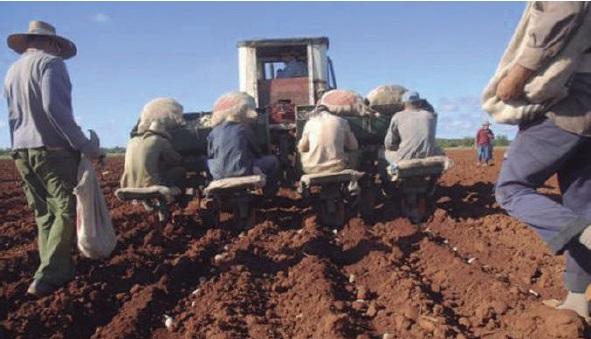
(150, 158)
(325, 141)
(293, 67)
(232, 147)
(484, 144)
(411, 134)
(558, 142)
(46, 144)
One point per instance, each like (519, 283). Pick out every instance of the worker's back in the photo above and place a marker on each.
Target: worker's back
(328, 136)
(147, 158)
(231, 150)
(416, 129)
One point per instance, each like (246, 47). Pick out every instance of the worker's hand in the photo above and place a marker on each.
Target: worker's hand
(95, 155)
(512, 85)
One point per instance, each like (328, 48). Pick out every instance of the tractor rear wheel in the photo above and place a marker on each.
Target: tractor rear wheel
(209, 212)
(414, 207)
(332, 212)
(243, 215)
(367, 201)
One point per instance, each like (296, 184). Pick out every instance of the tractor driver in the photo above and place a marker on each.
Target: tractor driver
(294, 68)
(232, 149)
(411, 134)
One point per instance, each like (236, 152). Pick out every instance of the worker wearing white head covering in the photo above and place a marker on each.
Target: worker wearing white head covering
(233, 150)
(150, 158)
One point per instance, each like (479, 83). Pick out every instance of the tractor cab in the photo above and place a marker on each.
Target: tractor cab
(282, 74)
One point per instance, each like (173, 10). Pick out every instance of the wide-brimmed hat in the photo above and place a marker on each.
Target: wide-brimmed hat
(486, 123)
(18, 41)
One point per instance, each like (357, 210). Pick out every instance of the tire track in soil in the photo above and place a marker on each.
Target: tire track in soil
(505, 248)
(90, 305)
(274, 281)
(144, 306)
(111, 300)
(487, 306)
(148, 305)
(397, 301)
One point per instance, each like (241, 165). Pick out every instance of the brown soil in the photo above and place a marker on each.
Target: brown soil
(471, 271)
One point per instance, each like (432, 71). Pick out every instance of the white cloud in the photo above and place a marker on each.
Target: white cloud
(448, 107)
(460, 116)
(6, 58)
(101, 18)
(2, 124)
(463, 104)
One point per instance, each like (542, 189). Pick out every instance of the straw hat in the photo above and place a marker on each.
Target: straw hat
(18, 41)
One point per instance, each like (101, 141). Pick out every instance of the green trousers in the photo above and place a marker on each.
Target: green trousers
(49, 177)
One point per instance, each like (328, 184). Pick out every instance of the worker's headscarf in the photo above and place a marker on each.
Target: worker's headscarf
(235, 107)
(166, 111)
(344, 102)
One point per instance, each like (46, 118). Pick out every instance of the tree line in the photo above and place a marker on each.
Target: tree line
(500, 140)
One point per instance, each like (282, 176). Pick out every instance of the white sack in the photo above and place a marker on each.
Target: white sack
(386, 99)
(96, 236)
(344, 102)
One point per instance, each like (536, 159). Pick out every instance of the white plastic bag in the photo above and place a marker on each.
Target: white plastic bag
(96, 235)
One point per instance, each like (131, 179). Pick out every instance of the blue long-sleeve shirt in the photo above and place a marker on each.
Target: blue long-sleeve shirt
(38, 91)
(231, 150)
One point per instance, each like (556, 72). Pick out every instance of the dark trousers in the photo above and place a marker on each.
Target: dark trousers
(539, 151)
(49, 178)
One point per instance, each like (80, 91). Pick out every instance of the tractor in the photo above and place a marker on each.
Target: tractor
(262, 65)
(284, 97)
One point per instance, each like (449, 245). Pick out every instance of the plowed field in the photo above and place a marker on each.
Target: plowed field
(471, 271)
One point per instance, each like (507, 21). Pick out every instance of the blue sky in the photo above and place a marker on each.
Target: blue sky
(129, 53)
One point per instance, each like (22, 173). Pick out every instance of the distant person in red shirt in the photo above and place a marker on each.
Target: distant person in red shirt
(484, 144)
